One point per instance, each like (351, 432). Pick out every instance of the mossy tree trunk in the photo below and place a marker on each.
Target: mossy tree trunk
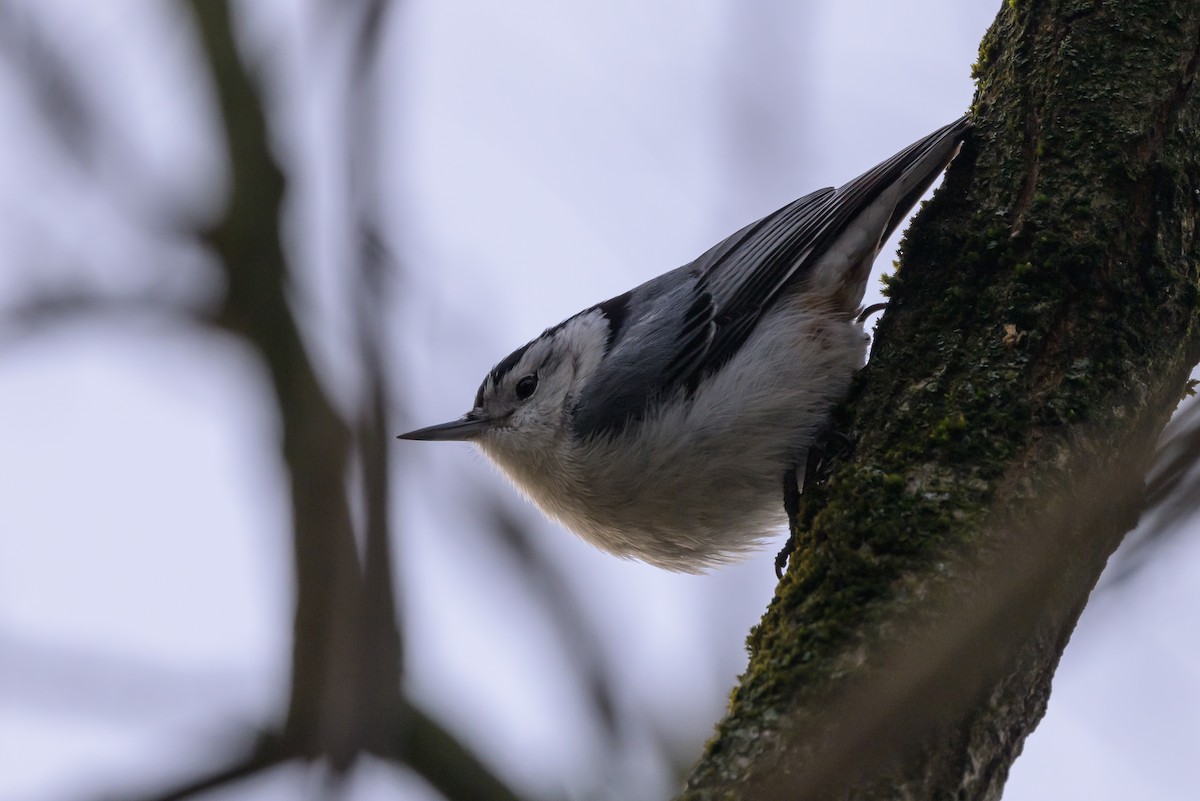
(1041, 330)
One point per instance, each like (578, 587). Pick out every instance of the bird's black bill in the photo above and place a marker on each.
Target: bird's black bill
(465, 428)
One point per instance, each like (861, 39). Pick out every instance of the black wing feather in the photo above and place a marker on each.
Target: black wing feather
(745, 277)
(733, 284)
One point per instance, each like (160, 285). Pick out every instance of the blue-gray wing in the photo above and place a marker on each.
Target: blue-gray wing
(738, 279)
(685, 324)
(665, 329)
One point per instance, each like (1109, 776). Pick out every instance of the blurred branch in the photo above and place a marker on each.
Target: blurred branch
(544, 581)
(61, 91)
(345, 696)
(910, 649)
(54, 308)
(1172, 494)
(50, 79)
(53, 679)
(383, 646)
(316, 441)
(439, 758)
(267, 753)
(1178, 453)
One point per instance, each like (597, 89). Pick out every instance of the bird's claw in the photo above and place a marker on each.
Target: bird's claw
(818, 466)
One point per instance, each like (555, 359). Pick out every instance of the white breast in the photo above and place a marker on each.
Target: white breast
(698, 483)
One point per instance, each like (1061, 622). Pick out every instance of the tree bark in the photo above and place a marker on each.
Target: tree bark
(1040, 332)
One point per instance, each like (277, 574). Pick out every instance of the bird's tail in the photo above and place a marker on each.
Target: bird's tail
(864, 212)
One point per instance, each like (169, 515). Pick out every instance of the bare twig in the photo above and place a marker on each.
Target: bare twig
(439, 758)
(51, 79)
(268, 753)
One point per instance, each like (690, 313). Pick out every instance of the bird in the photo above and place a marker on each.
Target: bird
(658, 424)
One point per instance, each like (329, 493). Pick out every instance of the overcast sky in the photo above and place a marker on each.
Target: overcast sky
(537, 157)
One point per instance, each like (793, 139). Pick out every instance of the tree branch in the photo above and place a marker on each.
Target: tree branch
(439, 758)
(316, 441)
(267, 753)
(346, 681)
(1040, 332)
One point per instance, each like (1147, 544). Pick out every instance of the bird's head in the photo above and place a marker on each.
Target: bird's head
(525, 401)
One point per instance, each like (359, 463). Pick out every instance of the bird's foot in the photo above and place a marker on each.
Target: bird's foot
(828, 448)
(791, 505)
(863, 314)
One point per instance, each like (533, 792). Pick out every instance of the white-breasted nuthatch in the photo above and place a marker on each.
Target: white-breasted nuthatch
(658, 425)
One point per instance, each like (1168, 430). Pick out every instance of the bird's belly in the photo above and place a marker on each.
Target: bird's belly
(681, 519)
(699, 482)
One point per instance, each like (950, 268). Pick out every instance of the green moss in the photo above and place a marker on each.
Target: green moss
(888, 280)
(948, 427)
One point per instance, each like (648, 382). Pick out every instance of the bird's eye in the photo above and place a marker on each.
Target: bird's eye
(526, 386)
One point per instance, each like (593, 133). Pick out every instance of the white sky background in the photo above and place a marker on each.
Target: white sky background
(538, 157)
